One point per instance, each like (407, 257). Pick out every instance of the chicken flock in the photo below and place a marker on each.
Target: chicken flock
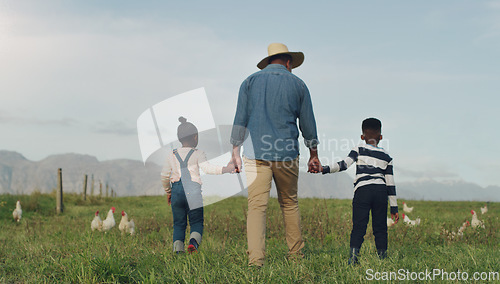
(474, 223)
(406, 218)
(451, 235)
(126, 226)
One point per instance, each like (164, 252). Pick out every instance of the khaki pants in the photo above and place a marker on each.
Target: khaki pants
(259, 177)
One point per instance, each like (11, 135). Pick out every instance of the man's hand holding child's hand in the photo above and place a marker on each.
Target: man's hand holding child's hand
(314, 165)
(230, 168)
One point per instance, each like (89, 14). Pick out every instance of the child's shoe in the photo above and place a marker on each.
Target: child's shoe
(194, 242)
(382, 253)
(193, 245)
(179, 247)
(353, 256)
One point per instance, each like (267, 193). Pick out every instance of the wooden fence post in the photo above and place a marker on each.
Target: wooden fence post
(100, 188)
(107, 190)
(59, 193)
(92, 186)
(85, 187)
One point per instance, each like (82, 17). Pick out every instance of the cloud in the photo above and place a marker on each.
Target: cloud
(103, 60)
(95, 69)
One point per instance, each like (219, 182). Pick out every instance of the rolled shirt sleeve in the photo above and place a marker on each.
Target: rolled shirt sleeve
(307, 122)
(241, 117)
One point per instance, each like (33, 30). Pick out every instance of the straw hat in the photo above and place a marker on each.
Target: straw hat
(279, 48)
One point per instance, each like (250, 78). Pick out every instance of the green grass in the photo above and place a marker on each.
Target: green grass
(45, 247)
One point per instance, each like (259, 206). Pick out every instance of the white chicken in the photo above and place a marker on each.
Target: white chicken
(484, 209)
(461, 230)
(390, 222)
(406, 208)
(109, 222)
(460, 233)
(18, 212)
(96, 222)
(475, 221)
(410, 222)
(126, 226)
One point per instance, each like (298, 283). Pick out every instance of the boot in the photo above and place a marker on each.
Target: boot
(194, 242)
(179, 247)
(382, 253)
(353, 256)
(193, 246)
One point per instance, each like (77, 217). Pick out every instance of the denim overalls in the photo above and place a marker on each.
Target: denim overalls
(186, 202)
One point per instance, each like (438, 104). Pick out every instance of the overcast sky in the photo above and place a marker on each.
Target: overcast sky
(75, 76)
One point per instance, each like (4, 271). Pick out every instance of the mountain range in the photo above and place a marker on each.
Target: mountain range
(19, 175)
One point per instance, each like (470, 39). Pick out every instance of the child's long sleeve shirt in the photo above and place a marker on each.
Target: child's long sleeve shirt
(373, 166)
(172, 171)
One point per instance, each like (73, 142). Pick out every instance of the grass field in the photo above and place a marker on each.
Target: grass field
(44, 247)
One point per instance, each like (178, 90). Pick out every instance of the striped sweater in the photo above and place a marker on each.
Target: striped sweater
(373, 166)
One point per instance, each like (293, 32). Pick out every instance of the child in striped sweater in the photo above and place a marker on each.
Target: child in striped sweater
(373, 185)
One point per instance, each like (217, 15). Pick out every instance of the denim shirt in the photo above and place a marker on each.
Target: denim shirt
(269, 103)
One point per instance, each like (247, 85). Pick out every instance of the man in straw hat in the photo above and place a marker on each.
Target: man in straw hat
(269, 103)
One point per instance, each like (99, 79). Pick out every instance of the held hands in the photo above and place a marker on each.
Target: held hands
(230, 168)
(314, 165)
(236, 159)
(234, 165)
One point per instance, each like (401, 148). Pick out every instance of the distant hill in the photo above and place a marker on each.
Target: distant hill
(457, 190)
(19, 175)
(127, 177)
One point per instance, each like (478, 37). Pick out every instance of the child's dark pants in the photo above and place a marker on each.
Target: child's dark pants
(181, 211)
(370, 197)
(187, 201)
